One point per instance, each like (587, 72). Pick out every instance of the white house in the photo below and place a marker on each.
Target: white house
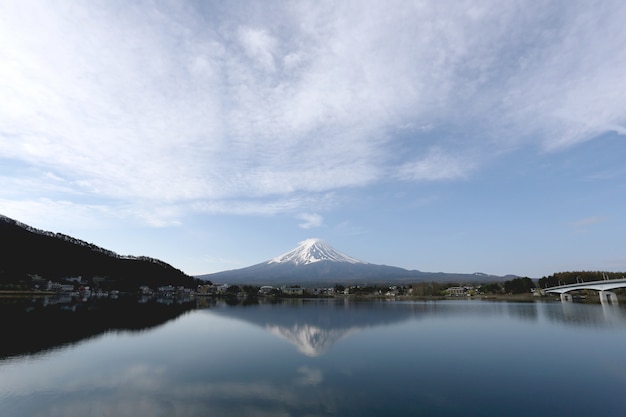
(266, 289)
(457, 291)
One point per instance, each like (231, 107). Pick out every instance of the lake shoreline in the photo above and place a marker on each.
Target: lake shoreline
(357, 297)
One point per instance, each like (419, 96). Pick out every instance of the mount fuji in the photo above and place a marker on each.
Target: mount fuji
(315, 262)
(311, 251)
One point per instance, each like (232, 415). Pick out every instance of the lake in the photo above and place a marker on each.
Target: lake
(311, 358)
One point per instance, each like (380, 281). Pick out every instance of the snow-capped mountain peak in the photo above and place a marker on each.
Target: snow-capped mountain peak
(313, 250)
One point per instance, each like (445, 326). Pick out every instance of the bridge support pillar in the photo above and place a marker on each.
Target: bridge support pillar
(608, 297)
(565, 297)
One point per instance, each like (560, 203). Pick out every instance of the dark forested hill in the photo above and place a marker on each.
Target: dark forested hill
(28, 251)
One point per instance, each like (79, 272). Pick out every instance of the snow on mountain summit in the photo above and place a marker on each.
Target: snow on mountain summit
(313, 250)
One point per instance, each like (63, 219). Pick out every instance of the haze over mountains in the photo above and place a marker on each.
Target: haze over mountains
(316, 262)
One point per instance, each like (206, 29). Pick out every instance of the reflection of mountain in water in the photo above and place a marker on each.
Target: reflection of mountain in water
(311, 340)
(313, 326)
(33, 326)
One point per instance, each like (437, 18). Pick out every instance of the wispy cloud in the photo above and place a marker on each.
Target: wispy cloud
(587, 224)
(45, 212)
(267, 206)
(161, 102)
(589, 221)
(310, 220)
(260, 47)
(436, 165)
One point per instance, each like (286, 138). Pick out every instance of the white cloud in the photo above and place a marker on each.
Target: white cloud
(157, 102)
(259, 46)
(267, 206)
(437, 165)
(55, 215)
(310, 220)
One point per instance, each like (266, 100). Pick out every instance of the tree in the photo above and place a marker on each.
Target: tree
(233, 290)
(492, 288)
(519, 285)
(251, 290)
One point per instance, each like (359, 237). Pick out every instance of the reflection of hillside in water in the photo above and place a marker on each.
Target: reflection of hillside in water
(38, 325)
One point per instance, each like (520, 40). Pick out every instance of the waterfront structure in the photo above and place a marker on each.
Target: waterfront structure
(603, 287)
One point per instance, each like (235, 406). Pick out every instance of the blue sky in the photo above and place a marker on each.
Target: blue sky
(460, 136)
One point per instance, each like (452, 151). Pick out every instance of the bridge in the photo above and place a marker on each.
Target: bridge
(603, 287)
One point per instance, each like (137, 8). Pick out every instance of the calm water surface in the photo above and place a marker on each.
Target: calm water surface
(314, 358)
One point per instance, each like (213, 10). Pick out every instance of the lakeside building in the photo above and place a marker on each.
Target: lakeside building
(265, 290)
(291, 290)
(458, 291)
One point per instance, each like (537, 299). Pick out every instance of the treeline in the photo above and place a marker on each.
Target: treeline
(520, 285)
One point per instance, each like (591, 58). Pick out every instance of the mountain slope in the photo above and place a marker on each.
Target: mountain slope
(315, 262)
(27, 250)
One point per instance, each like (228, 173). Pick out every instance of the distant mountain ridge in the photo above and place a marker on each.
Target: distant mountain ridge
(29, 251)
(314, 262)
